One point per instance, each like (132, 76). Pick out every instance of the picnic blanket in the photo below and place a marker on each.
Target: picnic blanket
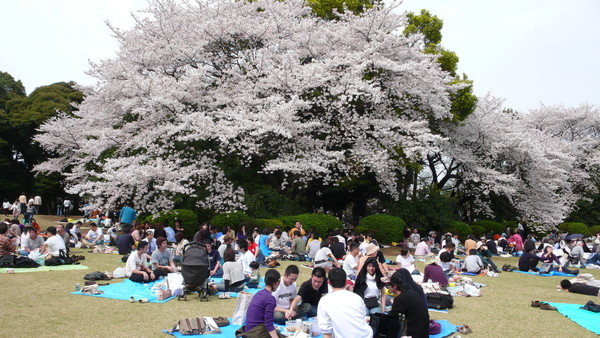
(47, 268)
(472, 274)
(229, 331)
(127, 289)
(253, 291)
(552, 273)
(447, 329)
(589, 320)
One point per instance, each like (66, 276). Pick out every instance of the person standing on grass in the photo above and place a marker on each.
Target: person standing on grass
(341, 313)
(259, 318)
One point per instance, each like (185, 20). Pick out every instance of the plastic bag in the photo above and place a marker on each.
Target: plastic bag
(243, 301)
(174, 281)
(119, 273)
(37, 257)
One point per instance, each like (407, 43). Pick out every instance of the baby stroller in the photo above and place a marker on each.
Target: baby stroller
(194, 270)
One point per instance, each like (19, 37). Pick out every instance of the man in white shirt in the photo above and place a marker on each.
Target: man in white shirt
(246, 258)
(351, 261)
(137, 268)
(285, 294)
(53, 244)
(94, 236)
(341, 313)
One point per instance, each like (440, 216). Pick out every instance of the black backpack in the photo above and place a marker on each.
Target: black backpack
(96, 275)
(388, 326)
(25, 262)
(8, 261)
(439, 301)
(62, 259)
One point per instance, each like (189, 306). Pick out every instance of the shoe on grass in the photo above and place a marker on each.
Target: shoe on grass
(546, 306)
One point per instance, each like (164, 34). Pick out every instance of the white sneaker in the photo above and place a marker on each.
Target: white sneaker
(222, 295)
(227, 295)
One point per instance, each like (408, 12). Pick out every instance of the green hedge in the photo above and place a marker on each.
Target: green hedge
(594, 230)
(385, 228)
(478, 230)
(574, 228)
(261, 223)
(187, 217)
(490, 225)
(460, 228)
(579, 228)
(322, 223)
(233, 219)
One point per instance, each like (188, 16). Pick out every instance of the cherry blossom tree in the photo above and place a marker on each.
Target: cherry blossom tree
(539, 161)
(264, 82)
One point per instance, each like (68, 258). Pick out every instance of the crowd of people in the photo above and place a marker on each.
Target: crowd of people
(350, 273)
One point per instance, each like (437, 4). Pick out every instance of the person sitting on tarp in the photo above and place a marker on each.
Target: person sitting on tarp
(259, 318)
(94, 236)
(162, 259)
(137, 268)
(473, 263)
(581, 288)
(53, 244)
(549, 259)
(411, 304)
(31, 242)
(528, 260)
(7, 245)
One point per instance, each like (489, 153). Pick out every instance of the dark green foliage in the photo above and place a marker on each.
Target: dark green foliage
(385, 228)
(460, 228)
(594, 230)
(187, 217)
(266, 202)
(322, 223)
(260, 224)
(478, 230)
(325, 8)
(233, 219)
(269, 223)
(510, 224)
(490, 225)
(564, 227)
(430, 210)
(574, 228)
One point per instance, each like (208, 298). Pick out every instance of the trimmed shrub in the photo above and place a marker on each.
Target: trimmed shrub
(233, 219)
(594, 230)
(187, 217)
(261, 223)
(564, 227)
(478, 230)
(510, 224)
(490, 225)
(460, 228)
(578, 228)
(322, 223)
(385, 228)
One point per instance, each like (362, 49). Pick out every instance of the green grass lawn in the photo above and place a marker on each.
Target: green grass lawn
(39, 304)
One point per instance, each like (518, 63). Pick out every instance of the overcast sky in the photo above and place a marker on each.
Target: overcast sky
(528, 52)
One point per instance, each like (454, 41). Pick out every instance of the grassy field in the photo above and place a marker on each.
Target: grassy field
(39, 304)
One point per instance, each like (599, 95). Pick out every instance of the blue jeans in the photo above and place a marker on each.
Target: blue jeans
(23, 253)
(594, 259)
(218, 274)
